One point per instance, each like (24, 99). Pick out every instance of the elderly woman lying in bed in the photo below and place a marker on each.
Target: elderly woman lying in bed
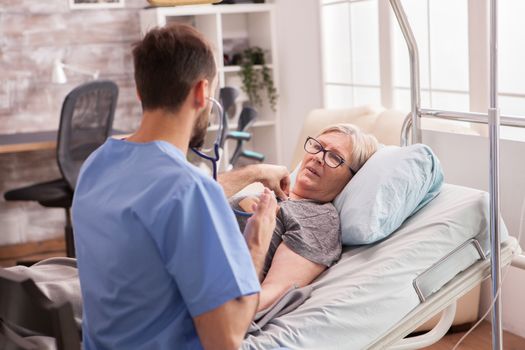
(307, 237)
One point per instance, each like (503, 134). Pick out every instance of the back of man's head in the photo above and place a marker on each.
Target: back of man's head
(168, 62)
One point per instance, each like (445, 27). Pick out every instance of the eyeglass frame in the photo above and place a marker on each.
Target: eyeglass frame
(325, 151)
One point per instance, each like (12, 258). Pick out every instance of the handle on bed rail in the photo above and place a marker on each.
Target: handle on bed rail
(471, 251)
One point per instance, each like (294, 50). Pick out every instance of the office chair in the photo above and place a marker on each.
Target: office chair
(26, 311)
(86, 122)
(227, 97)
(246, 119)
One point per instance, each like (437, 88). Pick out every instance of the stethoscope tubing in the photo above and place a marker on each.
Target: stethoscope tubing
(216, 146)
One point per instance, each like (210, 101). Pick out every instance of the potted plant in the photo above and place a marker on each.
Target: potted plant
(255, 80)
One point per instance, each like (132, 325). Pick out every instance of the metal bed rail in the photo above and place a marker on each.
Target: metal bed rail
(471, 117)
(493, 120)
(415, 95)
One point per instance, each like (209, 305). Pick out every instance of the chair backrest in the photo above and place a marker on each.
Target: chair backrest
(227, 97)
(86, 122)
(25, 310)
(247, 118)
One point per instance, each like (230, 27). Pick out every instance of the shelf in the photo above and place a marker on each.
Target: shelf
(192, 10)
(235, 69)
(229, 28)
(233, 126)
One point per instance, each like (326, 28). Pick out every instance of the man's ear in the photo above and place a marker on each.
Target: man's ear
(200, 93)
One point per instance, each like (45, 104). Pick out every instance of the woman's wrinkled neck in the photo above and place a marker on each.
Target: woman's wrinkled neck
(295, 196)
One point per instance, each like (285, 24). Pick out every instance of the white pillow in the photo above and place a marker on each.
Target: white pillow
(392, 185)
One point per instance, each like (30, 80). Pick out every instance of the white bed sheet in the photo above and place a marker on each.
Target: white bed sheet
(370, 289)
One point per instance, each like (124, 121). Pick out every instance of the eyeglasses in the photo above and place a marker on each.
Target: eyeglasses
(332, 159)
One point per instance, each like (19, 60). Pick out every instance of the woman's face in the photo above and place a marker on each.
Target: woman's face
(318, 181)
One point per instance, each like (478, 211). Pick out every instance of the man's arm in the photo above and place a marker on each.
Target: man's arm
(275, 177)
(225, 326)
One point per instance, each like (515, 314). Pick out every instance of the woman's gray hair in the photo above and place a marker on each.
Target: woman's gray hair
(363, 145)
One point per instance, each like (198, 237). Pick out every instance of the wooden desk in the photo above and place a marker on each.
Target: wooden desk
(34, 141)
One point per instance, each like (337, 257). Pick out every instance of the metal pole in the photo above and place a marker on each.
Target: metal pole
(494, 124)
(472, 117)
(414, 68)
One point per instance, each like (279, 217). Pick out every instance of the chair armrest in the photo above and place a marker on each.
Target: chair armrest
(253, 155)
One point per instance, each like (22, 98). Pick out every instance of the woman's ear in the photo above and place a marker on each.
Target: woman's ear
(200, 93)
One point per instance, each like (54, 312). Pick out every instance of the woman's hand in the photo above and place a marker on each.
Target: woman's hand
(249, 203)
(259, 229)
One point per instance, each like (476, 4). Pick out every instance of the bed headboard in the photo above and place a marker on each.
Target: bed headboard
(383, 124)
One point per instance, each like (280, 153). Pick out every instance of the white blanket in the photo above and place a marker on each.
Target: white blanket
(370, 289)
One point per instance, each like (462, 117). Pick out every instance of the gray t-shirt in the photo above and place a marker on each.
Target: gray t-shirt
(309, 228)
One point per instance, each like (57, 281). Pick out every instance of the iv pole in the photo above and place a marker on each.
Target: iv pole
(494, 124)
(493, 120)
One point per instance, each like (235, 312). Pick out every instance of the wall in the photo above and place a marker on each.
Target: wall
(301, 91)
(465, 161)
(299, 47)
(32, 35)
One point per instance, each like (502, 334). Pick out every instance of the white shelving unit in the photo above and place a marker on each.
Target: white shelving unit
(255, 25)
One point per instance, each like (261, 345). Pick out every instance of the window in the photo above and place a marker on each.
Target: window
(451, 35)
(441, 31)
(511, 57)
(350, 34)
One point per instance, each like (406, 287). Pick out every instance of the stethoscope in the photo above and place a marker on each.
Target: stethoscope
(218, 140)
(216, 149)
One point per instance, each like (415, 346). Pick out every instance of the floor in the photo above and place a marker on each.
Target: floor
(479, 339)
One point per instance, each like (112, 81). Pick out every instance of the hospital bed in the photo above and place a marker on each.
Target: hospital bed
(368, 300)
(437, 283)
(378, 294)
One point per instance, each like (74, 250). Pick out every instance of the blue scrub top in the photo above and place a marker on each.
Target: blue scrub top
(157, 244)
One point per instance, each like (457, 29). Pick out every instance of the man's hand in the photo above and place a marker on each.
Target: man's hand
(276, 178)
(259, 229)
(247, 204)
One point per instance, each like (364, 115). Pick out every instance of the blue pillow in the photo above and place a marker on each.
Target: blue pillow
(392, 185)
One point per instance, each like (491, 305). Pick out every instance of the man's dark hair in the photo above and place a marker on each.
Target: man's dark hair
(168, 62)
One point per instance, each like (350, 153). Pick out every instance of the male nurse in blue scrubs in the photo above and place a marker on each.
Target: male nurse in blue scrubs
(161, 260)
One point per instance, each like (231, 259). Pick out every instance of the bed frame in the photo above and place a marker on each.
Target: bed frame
(443, 300)
(502, 255)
